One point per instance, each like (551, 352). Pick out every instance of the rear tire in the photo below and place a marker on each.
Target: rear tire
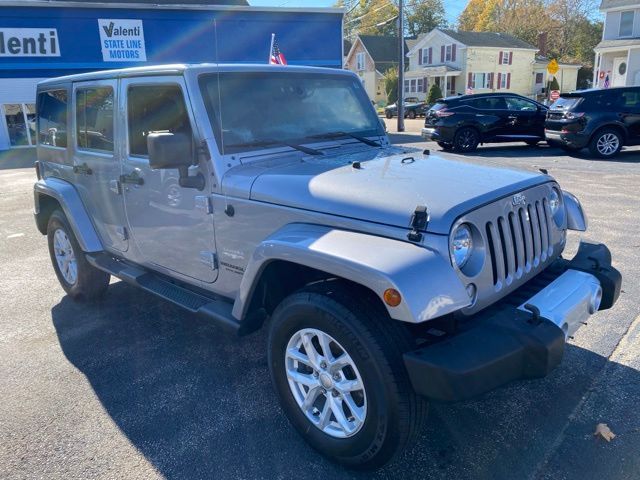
(411, 114)
(387, 413)
(388, 114)
(605, 143)
(80, 279)
(466, 140)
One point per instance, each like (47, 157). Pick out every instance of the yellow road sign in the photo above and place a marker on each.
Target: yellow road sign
(553, 67)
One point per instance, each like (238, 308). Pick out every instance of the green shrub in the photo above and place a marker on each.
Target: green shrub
(434, 94)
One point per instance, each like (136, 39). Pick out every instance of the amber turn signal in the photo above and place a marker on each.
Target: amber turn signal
(392, 297)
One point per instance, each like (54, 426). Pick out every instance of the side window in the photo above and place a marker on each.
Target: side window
(52, 118)
(520, 104)
(631, 99)
(94, 118)
(154, 108)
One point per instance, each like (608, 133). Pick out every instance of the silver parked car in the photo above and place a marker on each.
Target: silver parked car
(270, 197)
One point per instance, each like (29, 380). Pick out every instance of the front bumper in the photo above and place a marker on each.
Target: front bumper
(523, 336)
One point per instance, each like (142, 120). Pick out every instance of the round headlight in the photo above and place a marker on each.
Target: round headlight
(554, 201)
(461, 245)
(556, 207)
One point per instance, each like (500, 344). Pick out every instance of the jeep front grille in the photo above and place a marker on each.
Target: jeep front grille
(519, 242)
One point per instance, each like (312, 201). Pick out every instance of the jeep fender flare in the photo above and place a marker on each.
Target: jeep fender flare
(65, 194)
(426, 281)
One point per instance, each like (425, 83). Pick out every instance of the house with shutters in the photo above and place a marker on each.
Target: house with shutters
(470, 62)
(370, 57)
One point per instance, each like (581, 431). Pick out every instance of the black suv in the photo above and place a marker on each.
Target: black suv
(601, 120)
(461, 123)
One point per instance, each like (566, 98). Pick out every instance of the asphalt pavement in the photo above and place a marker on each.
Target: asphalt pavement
(132, 387)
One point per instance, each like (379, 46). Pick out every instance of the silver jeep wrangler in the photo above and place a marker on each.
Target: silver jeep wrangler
(270, 196)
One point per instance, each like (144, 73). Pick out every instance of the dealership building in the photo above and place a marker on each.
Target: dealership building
(42, 39)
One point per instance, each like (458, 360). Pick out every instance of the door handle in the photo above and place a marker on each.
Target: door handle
(133, 178)
(82, 169)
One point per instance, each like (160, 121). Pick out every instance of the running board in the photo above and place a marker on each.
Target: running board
(207, 307)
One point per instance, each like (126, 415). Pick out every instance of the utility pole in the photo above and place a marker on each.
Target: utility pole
(400, 66)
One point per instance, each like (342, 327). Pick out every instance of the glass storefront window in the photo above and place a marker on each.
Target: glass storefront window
(20, 119)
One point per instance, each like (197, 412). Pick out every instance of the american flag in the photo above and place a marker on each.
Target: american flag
(277, 57)
(606, 81)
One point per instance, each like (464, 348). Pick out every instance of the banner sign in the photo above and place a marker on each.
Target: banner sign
(122, 40)
(29, 42)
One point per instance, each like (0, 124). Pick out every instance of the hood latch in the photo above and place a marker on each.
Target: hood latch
(419, 221)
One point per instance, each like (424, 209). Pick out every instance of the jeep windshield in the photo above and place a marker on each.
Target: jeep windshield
(250, 110)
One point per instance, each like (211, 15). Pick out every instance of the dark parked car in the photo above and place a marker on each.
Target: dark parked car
(600, 120)
(461, 123)
(412, 108)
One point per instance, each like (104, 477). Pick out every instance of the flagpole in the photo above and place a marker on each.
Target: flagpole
(273, 36)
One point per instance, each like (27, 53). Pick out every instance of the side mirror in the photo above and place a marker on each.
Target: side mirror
(174, 150)
(169, 150)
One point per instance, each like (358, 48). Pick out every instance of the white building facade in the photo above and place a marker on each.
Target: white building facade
(618, 54)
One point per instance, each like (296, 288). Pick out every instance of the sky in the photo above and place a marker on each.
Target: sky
(451, 7)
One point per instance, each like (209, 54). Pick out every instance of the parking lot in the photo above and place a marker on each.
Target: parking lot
(132, 387)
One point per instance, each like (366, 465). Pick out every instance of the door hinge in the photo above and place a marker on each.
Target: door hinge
(210, 259)
(122, 233)
(203, 202)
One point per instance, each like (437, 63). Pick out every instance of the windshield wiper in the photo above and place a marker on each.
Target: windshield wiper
(270, 142)
(364, 140)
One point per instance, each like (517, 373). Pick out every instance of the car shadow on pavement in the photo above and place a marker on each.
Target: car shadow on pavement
(197, 402)
(543, 150)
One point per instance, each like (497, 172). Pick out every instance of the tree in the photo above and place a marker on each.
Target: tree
(434, 94)
(391, 85)
(468, 19)
(553, 84)
(425, 16)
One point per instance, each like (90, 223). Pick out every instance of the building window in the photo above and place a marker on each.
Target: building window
(451, 85)
(420, 86)
(626, 24)
(447, 54)
(503, 80)
(21, 123)
(480, 80)
(407, 86)
(360, 61)
(539, 78)
(505, 58)
(155, 108)
(52, 118)
(94, 118)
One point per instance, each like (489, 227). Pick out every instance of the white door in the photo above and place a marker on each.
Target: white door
(619, 72)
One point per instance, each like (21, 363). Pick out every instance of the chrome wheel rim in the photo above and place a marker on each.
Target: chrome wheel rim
(325, 383)
(607, 144)
(65, 257)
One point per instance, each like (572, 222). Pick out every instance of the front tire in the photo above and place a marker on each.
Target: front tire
(336, 364)
(411, 114)
(80, 279)
(388, 114)
(606, 143)
(466, 140)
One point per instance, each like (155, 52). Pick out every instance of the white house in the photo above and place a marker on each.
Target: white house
(618, 54)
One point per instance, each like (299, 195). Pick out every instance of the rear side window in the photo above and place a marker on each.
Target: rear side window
(154, 108)
(520, 104)
(94, 118)
(631, 99)
(52, 118)
(488, 103)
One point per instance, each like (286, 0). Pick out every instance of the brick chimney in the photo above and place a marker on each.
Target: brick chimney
(542, 43)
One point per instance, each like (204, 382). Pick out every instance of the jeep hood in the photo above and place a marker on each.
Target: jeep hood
(388, 186)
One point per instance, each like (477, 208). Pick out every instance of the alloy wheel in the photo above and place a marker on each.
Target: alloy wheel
(325, 383)
(65, 257)
(607, 144)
